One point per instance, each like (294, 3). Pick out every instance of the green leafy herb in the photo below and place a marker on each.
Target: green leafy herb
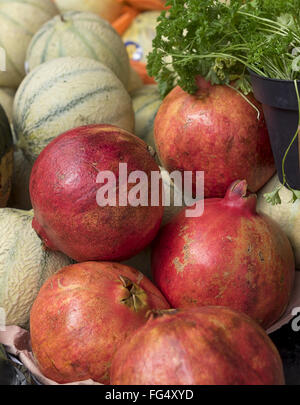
(274, 197)
(295, 196)
(219, 41)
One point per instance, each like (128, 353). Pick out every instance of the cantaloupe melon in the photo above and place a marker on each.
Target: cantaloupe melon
(24, 265)
(6, 100)
(76, 33)
(6, 158)
(146, 102)
(107, 9)
(19, 21)
(139, 36)
(66, 93)
(286, 214)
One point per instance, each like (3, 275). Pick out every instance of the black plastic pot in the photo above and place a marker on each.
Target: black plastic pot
(280, 106)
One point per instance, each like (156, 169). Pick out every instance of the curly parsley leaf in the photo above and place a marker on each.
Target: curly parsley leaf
(220, 41)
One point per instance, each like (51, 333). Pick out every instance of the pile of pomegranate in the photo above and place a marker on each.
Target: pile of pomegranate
(220, 279)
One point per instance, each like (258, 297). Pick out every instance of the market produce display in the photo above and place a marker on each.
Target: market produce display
(77, 342)
(6, 158)
(19, 21)
(82, 34)
(25, 265)
(116, 267)
(228, 256)
(48, 103)
(202, 346)
(68, 216)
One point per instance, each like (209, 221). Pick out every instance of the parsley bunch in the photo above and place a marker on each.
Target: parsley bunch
(220, 41)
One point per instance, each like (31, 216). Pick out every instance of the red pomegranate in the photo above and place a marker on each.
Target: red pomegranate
(198, 346)
(83, 313)
(229, 256)
(215, 131)
(64, 190)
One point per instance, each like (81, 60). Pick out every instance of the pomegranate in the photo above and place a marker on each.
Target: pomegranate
(198, 346)
(215, 131)
(83, 313)
(230, 256)
(64, 189)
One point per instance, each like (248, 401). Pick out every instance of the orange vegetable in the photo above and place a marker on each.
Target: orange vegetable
(141, 69)
(124, 21)
(144, 5)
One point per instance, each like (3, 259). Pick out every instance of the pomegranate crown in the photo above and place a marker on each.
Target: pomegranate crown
(237, 196)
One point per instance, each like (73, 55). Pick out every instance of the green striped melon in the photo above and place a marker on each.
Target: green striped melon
(110, 10)
(19, 21)
(6, 100)
(135, 81)
(76, 33)
(24, 265)
(6, 158)
(66, 93)
(139, 36)
(146, 102)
